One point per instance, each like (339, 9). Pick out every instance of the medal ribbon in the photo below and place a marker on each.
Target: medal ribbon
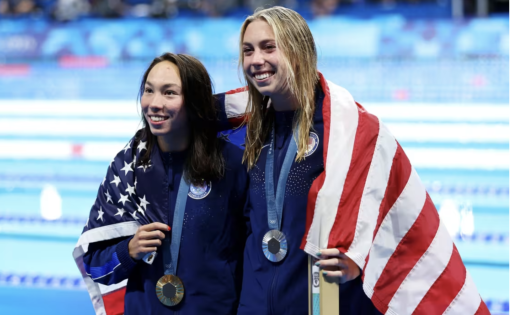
(275, 201)
(171, 247)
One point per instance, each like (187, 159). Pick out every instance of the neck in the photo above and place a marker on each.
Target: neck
(282, 103)
(175, 141)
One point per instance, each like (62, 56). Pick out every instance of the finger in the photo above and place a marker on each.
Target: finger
(150, 243)
(331, 262)
(324, 253)
(155, 226)
(151, 235)
(336, 273)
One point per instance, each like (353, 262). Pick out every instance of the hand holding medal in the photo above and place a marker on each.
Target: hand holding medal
(147, 239)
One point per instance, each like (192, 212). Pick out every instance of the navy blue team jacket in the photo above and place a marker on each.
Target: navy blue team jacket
(211, 251)
(282, 288)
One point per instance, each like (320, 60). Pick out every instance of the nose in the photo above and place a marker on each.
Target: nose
(257, 58)
(157, 103)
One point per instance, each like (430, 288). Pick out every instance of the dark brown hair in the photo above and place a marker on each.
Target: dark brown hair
(204, 160)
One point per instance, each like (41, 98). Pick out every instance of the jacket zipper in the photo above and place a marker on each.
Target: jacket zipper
(271, 292)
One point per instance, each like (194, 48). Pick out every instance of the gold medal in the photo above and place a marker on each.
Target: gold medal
(170, 290)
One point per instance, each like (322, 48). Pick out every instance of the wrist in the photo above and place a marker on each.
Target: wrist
(123, 254)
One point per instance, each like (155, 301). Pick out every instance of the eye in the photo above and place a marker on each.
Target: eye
(148, 90)
(170, 92)
(269, 47)
(246, 50)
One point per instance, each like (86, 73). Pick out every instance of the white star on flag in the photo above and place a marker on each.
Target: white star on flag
(127, 146)
(116, 180)
(135, 184)
(100, 214)
(127, 168)
(103, 182)
(123, 198)
(109, 197)
(143, 202)
(131, 189)
(141, 210)
(134, 215)
(120, 212)
(145, 166)
(141, 146)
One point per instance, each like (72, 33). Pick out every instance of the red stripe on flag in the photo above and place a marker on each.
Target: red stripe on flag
(319, 182)
(241, 89)
(482, 309)
(410, 249)
(236, 122)
(446, 287)
(344, 226)
(326, 114)
(114, 302)
(398, 178)
(312, 194)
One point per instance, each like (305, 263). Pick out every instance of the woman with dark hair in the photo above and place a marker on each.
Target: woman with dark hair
(175, 191)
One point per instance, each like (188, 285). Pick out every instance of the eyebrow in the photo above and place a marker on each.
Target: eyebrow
(265, 41)
(167, 85)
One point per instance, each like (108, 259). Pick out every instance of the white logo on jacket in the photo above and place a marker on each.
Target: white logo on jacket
(200, 191)
(313, 143)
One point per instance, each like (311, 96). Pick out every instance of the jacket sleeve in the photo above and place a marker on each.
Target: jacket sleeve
(109, 262)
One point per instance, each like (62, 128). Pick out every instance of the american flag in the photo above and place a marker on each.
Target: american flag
(371, 205)
(118, 211)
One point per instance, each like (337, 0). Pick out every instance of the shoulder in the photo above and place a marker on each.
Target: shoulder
(132, 148)
(232, 153)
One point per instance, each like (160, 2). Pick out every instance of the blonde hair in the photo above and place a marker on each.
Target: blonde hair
(297, 46)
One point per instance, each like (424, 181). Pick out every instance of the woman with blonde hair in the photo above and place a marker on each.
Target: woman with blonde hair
(325, 176)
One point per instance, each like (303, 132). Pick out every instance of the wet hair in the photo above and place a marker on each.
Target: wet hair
(297, 47)
(204, 161)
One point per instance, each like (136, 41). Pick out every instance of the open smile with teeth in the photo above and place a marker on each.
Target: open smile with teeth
(264, 75)
(158, 118)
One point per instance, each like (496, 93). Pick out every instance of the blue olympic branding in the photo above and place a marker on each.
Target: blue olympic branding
(313, 142)
(200, 192)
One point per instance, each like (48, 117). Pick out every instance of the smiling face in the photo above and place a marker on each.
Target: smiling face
(162, 101)
(262, 60)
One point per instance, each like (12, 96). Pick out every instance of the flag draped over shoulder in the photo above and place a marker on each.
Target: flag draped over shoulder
(118, 211)
(370, 204)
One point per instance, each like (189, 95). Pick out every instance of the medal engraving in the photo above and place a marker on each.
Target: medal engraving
(170, 290)
(274, 245)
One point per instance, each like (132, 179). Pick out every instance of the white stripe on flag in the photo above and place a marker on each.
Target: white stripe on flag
(108, 232)
(235, 104)
(426, 271)
(104, 289)
(467, 301)
(373, 193)
(343, 126)
(395, 225)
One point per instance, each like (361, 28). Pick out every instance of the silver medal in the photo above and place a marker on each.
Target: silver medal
(274, 245)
